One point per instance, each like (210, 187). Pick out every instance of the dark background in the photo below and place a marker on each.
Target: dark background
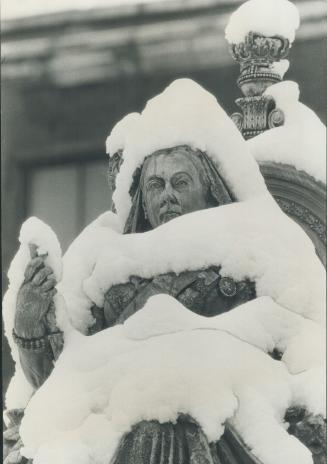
(67, 78)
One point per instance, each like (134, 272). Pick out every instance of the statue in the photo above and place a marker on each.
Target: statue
(170, 182)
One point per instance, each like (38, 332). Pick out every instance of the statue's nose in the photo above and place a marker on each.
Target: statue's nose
(168, 196)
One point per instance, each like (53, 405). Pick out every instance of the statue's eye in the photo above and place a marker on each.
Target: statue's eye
(154, 185)
(181, 183)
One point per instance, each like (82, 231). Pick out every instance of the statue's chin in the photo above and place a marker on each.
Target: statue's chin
(168, 217)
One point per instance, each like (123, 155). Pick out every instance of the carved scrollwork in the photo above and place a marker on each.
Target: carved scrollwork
(258, 114)
(304, 215)
(238, 120)
(276, 118)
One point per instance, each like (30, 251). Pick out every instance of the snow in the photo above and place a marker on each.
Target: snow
(116, 140)
(280, 67)
(160, 364)
(78, 263)
(185, 113)
(266, 17)
(36, 232)
(300, 142)
(239, 237)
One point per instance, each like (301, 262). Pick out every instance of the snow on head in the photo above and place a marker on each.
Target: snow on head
(186, 114)
(116, 140)
(267, 17)
(301, 141)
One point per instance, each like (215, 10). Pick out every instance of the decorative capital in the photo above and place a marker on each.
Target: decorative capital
(259, 114)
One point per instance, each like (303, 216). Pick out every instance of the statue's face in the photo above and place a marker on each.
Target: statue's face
(173, 185)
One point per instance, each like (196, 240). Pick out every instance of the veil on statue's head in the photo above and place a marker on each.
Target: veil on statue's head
(217, 191)
(184, 114)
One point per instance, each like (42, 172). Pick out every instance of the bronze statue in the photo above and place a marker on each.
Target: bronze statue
(170, 183)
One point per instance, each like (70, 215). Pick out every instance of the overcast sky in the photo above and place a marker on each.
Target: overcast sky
(20, 8)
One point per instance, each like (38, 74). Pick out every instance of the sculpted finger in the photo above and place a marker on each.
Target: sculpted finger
(41, 275)
(33, 250)
(33, 266)
(49, 294)
(49, 284)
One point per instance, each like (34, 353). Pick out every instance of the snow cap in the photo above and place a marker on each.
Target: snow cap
(187, 114)
(116, 140)
(267, 17)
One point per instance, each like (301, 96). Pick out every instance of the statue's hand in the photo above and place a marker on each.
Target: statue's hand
(34, 298)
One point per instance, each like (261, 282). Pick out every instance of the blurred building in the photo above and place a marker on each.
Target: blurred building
(68, 77)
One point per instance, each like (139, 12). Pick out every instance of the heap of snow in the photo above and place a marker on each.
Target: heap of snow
(116, 140)
(159, 364)
(38, 233)
(280, 67)
(185, 113)
(300, 142)
(78, 262)
(69, 272)
(266, 17)
(251, 239)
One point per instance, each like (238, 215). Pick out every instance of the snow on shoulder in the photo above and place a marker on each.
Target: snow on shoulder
(187, 114)
(267, 17)
(78, 262)
(300, 142)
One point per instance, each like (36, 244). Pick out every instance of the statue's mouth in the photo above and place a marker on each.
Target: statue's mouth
(168, 216)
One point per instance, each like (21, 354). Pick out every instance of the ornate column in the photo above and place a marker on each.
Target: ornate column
(259, 58)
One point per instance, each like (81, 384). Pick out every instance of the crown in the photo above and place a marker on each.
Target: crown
(260, 67)
(256, 56)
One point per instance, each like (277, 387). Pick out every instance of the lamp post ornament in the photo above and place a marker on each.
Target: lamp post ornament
(260, 43)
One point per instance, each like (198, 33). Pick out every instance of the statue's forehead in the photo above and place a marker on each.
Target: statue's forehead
(167, 163)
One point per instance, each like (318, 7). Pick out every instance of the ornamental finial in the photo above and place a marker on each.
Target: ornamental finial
(260, 33)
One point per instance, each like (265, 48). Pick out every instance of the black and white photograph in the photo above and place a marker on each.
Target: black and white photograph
(163, 231)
